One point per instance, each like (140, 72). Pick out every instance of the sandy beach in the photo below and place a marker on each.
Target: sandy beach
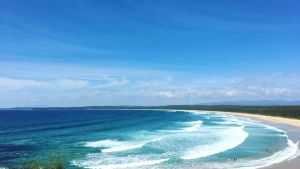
(291, 126)
(282, 120)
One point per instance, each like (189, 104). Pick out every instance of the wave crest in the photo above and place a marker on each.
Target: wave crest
(229, 140)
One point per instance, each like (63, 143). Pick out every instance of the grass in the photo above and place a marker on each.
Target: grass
(54, 161)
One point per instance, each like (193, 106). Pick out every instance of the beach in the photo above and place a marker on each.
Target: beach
(178, 139)
(291, 126)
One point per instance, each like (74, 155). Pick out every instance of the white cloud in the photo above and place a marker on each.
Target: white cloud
(29, 84)
(97, 87)
(17, 84)
(9, 84)
(164, 94)
(70, 84)
(108, 82)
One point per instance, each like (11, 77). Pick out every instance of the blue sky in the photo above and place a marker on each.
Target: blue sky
(147, 52)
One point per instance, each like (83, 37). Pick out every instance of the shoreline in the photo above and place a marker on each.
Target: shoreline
(272, 119)
(291, 126)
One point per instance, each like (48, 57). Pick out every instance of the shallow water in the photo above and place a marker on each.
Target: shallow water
(155, 139)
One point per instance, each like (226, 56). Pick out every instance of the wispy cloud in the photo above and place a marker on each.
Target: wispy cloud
(129, 87)
(18, 84)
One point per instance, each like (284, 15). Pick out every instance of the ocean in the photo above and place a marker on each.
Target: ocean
(150, 139)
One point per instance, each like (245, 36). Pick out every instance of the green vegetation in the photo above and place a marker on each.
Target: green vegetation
(55, 161)
(282, 111)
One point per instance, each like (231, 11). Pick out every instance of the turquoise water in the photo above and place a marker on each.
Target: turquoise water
(156, 139)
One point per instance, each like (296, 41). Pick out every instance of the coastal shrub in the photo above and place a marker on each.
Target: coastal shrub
(54, 161)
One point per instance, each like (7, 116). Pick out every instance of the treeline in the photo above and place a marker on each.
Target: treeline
(282, 111)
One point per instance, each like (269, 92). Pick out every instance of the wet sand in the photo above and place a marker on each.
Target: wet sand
(291, 126)
(282, 120)
(294, 135)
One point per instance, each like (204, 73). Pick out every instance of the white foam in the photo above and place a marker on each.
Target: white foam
(96, 161)
(228, 123)
(290, 152)
(123, 147)
(297, 154)
(197, 112)
(231, 119)
(229, 140)
(103, 143)
(195, 126)
(129, 165)
(110, 146)
(274, 128)
(114, 145)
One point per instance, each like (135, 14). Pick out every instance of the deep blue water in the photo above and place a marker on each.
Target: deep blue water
(140, 139)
